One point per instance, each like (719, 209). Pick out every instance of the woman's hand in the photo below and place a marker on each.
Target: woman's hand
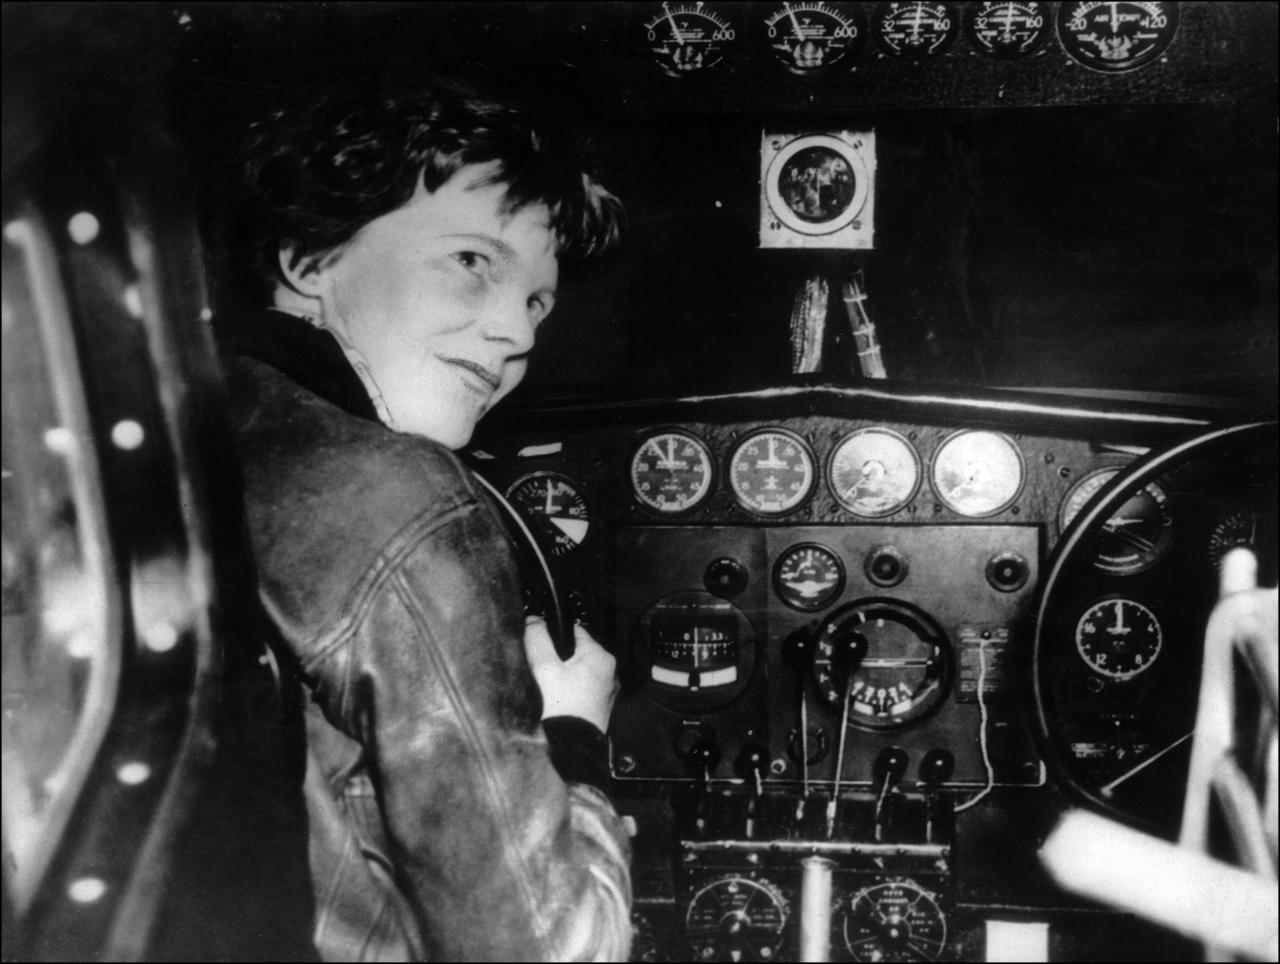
(585, 685)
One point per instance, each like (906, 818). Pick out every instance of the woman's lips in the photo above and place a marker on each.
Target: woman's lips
(488, 379)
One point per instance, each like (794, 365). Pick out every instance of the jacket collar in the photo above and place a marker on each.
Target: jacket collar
(308, 355)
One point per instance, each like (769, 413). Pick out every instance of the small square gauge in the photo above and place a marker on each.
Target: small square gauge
(817, 190)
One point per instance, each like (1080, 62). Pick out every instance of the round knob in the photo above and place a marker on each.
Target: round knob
(886, 566)
(890, 765)
(1007, 571)
(936, 767)
(704, 754)
(753, 759)
(725, 577)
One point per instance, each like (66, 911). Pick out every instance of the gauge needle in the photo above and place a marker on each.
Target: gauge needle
(1115, 17)
(675, 31)
(1119, 629)
(795, 24)
(1007, 35)
(549, 507)
(1110, 788)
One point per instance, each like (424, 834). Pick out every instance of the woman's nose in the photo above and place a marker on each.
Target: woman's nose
(511, 319)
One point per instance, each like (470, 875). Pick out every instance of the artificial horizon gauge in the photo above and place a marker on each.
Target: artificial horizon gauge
(1006, 30)
(809, 37)
(1115, 37)
(1118, 638)
(556, 507)
(883, 662)
(688, 38)
(897, 920)
(977, 474)
(736, 919)
(874, 472)
(915, 31)
(808, 577)
(1136, 536)
(671, 472)
(771, 472)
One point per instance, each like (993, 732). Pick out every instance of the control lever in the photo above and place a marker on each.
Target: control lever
(751, 764)
(703, 757)
(935, 770)
(888, 770)
(797, 652)
(849, 650)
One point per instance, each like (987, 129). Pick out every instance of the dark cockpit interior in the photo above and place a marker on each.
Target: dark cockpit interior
(897, 456)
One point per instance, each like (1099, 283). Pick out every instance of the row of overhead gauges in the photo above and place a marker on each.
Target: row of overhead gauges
(687, 39)
(739, 918)
(872, 472)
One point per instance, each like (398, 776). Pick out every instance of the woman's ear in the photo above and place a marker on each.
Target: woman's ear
(300, 272)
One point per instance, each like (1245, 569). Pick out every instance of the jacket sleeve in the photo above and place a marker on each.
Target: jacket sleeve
(501, 859)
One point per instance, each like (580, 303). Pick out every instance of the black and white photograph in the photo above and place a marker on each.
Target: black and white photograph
(640, 481)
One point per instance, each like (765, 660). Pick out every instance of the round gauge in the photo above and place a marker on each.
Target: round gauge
(1118, 638)
(874, 472)
(699, 650)
(736, 919)
(1006, 30)
(1115, 37)
(897, 920)
(771, 472)
(817, 184)
(887, 661)
(808, 577)
(555, 506)
(671, 472)
(687, 38)
(1247, 530)
(977, 473)
(1133, 539)
(915, 31)
(809, 37)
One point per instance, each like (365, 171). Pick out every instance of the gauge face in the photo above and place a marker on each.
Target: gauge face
(874, 472)
(894, 921)
(1239, 530)
(1115, 37)
(1133, 539)
(808, 37)
(556, 507)
(671, 472)
(977, 473)
(686, 39)
(808, 577)
(817, 184)
(915, 31)
(771, 472)
(885, 660)
(1119, 638)
(736, 919)
(1008, 30)
(699, 650)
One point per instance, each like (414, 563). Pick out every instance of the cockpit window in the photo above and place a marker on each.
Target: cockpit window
(62, 640)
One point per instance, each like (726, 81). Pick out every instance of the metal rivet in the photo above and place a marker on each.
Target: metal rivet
(127, 434)
(133, 773)
(160, 637)
(83, 227)
(133, 300)
(58, 439)
(86, 890)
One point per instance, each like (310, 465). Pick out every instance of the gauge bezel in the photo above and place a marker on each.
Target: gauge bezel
(970, 16)
(916, 458)
(710, 12)
(572, 483)
(656, 511)
(778, 204)
(837, 9)
(1069, 43)
(882, 10)
(1090, 664)
(806, 450)
(1002, 507)
(826, 600)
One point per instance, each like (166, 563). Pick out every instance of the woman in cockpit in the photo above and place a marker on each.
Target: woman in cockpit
(408, 247)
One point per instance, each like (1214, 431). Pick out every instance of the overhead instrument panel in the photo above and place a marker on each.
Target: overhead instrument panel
(687, 39)
(817, 189)
(771, 472)
(915, 31)
(671, 473)
(874, 472)
(1116, 37)
(977, 474)
(812, 37)
(1008, 29)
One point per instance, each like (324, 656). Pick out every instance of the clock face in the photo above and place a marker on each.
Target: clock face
(1115, 37)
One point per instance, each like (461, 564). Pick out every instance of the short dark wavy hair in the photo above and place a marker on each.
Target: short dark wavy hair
(313, 177)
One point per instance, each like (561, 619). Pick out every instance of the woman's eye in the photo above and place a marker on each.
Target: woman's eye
(471, 260)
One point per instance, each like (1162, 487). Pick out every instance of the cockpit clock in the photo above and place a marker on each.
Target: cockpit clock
(1115, 37)
(687, 39)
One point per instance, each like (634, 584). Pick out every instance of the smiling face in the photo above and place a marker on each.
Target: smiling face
(442, 298)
